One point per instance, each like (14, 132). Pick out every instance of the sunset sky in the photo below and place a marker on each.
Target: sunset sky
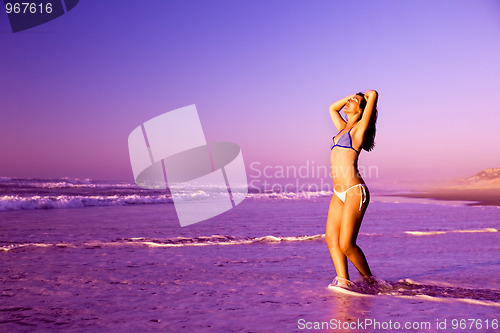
(261, 74)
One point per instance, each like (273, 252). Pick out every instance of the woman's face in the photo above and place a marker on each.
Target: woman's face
(352, 105)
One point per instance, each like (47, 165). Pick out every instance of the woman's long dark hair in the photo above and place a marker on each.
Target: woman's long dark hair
(369, 141)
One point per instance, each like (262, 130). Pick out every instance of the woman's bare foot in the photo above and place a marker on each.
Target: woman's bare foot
(340, 282)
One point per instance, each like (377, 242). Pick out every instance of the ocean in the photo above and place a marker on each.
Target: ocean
(84, 256)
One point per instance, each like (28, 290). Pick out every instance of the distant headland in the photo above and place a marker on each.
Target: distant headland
(482, 188)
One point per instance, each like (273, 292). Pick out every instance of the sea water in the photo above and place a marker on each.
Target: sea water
(80, 255)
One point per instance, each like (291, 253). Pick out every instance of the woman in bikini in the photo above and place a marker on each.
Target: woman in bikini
(351, 196)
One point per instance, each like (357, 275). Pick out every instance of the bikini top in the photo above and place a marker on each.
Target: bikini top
(345, 141)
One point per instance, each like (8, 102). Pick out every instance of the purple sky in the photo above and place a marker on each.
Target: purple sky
(262, 74)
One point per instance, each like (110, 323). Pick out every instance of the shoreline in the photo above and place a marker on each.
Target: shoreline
(480, 197)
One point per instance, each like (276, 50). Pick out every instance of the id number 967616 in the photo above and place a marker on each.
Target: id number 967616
(471, 324)
(28, 8)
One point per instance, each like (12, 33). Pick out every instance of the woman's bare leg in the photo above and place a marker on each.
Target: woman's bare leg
(349, 227)
(332, 237)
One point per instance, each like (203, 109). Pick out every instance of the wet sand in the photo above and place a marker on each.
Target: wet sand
(482, 197)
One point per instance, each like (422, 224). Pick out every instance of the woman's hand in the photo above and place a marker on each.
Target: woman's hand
(335, 109)
(338, 105)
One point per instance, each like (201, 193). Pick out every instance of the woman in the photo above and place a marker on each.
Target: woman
(351, 196)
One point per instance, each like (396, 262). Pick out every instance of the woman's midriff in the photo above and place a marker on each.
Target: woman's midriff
(345, 171)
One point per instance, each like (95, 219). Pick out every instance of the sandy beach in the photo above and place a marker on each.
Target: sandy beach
(482, 197)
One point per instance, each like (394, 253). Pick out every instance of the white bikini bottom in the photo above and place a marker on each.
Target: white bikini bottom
(342, 195)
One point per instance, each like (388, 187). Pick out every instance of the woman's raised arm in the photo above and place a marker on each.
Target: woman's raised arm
(334, 112)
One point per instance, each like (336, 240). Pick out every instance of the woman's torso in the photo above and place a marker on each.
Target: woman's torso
(344, 159)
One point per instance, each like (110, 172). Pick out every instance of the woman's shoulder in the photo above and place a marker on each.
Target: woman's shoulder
(357, 134)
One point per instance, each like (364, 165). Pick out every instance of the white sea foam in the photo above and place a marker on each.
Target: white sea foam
(430, 233)
(443, 292)
(175, 241)
(290, 195)
(15, 202)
